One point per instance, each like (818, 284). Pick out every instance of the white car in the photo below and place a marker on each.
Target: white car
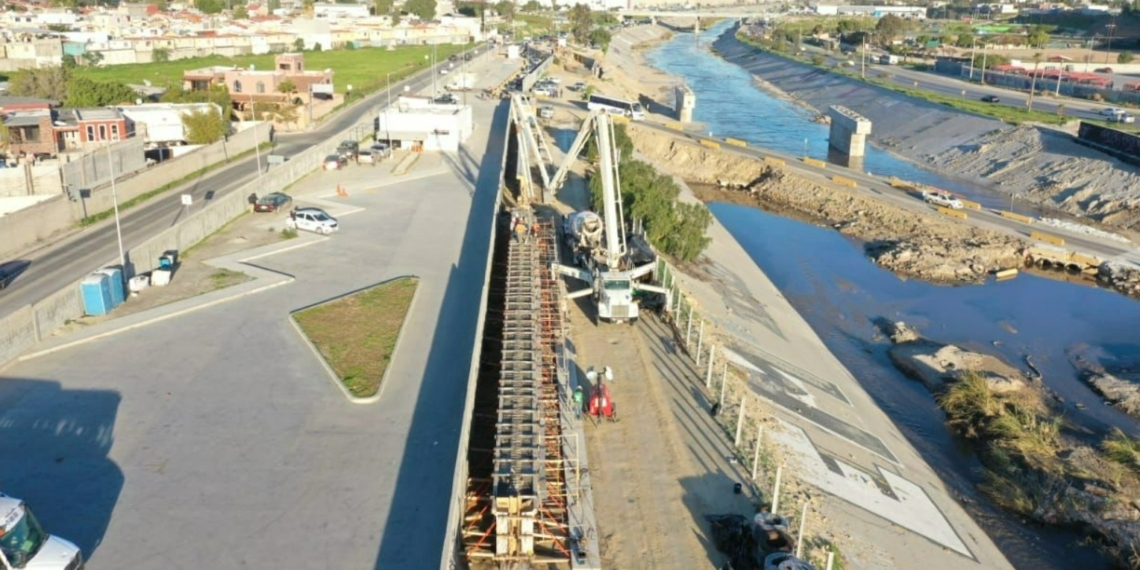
(942, 198)
(546, 112)
(312, 220)
(1122, 118)
(1111, 111)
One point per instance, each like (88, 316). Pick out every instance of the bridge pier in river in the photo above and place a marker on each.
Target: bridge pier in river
(849, 132)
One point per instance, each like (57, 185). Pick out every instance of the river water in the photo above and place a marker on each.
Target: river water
(829, 280)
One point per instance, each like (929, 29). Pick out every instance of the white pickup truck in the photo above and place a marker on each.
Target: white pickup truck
(942, 198)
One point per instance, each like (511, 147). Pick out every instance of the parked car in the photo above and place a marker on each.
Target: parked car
(381, 150)
(1103, 70)
(942, 198)
(579, 86)
(991, 99)
(347, 148)
(312, 220)
(274, 202)
(1111, 111)
(546, 112)
(367, 157)
(334, 162)
(1122, 118)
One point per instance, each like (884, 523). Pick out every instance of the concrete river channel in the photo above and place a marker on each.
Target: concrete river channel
(828, 279)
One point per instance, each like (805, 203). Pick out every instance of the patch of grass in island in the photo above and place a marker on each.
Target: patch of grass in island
(357, 334)
(223, 278)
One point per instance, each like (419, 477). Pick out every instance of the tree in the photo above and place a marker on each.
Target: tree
(273, 5)
(3, 136)
(1037, 37)
(288, 114)
(580, 23)
(601, 38)
(506, 9)
(287, 87)
(1033, 83)
(1124, 57)
(382, 7)
(217, 94)
(241, 13)
(92, 58)
(204, 126)
(44, 83)
(298, 44)
(210, 6)
(532, 6)
(890, 27)
(965, 41)
(423, 9)
(160, 55)
(84, 92)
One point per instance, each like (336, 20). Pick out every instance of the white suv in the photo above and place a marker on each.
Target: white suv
(944, 199)
(312, 220)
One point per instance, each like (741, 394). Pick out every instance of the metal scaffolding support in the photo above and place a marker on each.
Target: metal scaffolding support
(517, 517)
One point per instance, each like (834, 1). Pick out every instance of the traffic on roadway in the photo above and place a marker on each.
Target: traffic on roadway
(54, 266)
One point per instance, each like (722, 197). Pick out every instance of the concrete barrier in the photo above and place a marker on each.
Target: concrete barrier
(1088, 260)
(17, 334)
(22, 229)
(60, 307)
(815, 163)
(775, 161)
(903, 184)
(970, 204)
(675, 126)
(1047, 238)
(1006, 273)
(844, 181)
(1018, 217)
(710, 144)
(953, 213)
(735, 142)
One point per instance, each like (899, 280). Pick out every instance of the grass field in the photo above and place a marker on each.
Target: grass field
(357, 334)
(365, 69)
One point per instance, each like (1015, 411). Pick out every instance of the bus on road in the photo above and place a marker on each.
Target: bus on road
(616, 107)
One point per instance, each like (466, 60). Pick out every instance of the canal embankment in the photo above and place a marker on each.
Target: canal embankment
(1037, 164)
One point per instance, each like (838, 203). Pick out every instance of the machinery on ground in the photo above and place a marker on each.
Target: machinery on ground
(24, 544)
(603, 257)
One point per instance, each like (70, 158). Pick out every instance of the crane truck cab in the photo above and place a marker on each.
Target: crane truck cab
(615, 299)
(24, 545)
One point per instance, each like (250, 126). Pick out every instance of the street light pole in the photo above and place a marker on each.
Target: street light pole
(973, 49)
(256, 145)
(1110, 27)
(115, 200)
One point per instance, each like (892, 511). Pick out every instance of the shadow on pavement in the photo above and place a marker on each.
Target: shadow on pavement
(414, 533)
(54, 446)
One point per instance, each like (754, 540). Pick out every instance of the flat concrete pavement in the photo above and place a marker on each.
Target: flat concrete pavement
(880, 491)
(215, 436)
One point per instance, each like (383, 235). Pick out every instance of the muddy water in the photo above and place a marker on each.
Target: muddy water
(832, 284)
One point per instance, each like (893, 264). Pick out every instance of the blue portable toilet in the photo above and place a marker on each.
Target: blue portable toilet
(115, 281)
(96, 289)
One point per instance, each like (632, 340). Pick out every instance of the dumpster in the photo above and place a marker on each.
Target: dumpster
(96, 289)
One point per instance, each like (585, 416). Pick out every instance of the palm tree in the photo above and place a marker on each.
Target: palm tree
(1033, 83)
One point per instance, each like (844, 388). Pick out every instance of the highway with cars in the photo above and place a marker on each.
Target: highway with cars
(65, 261)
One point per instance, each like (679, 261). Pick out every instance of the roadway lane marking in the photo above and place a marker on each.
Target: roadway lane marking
(883, 494)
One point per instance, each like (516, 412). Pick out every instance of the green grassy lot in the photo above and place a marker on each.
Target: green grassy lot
(357, 334)
(365, 69)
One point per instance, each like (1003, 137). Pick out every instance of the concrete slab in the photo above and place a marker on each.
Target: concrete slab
(217, 428)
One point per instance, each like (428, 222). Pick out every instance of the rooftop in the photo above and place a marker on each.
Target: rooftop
(97, 114)
(28, 118)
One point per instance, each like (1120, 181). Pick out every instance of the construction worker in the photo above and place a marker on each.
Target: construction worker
(252, 199)
(579, 401)
(520, 230)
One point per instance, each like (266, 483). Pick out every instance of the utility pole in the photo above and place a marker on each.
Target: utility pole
(973, 48)
(1111, 27)
(115, 200)
(984, 54)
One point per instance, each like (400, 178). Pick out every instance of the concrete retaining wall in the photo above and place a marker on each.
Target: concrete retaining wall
(142, 182)
(45, 180)
(17, 333)
(94, 168)
(20, 230)
(52, 312)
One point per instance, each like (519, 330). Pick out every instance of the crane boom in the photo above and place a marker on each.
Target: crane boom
(611, 212)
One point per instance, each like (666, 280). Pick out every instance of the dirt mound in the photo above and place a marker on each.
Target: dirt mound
(909, 242)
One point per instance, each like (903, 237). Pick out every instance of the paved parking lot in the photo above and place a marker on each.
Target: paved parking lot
(215, 438)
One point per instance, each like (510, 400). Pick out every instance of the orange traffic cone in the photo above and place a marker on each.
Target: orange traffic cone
(340, 191)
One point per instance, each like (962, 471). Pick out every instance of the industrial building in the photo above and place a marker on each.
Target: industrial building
(420, 124)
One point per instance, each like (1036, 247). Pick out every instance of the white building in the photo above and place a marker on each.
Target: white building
(161, 123)
(340, 11)
(912, 12)
(416, 123)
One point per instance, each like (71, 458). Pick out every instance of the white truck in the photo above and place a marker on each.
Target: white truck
(24, 545)
(462, 82)
(942, 198)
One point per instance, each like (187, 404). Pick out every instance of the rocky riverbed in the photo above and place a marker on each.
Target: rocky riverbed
(908, 241)
(1037, 465)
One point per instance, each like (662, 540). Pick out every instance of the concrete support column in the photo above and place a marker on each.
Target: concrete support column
(849, 131)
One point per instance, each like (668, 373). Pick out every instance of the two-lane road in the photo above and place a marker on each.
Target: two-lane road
(68, 260)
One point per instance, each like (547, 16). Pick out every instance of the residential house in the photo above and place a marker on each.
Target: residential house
(32, 132)
(249, 86)
(161, 123)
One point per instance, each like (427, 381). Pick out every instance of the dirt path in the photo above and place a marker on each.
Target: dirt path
(663, 465)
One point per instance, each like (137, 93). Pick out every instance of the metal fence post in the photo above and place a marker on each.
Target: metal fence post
(708, 375)
(830, 560)
(700, 340)
(689, 328)
(776, 490)
(800, 535)
(723, 383)
(756, 453)
(740, 421)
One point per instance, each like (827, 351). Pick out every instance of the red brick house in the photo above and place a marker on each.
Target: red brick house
(102, 125)
(32, 132)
